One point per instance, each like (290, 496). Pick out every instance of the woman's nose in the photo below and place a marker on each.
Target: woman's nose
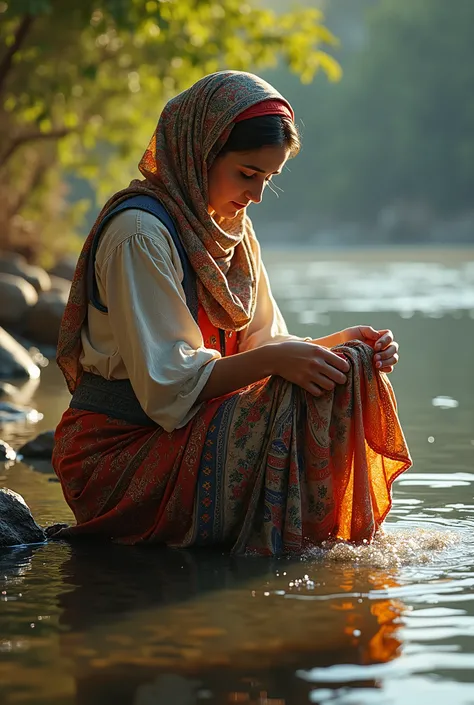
(255, 194)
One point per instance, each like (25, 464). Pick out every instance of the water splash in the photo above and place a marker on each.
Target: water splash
(389, 549)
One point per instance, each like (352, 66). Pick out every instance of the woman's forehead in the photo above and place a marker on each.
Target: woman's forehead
(265, 159)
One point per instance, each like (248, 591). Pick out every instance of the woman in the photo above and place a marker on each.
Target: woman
(195, 417)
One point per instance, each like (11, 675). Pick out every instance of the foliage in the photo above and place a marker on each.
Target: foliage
(82, 84)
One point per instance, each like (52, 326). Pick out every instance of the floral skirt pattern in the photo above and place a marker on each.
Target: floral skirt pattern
(269, 469)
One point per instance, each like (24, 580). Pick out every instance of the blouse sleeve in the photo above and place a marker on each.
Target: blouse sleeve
(156, 336)
(268, 324)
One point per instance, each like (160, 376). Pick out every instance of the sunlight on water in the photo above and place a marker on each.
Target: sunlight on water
(432, 288)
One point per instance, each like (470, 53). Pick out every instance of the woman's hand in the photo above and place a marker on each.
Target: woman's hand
(385, 347)
(310, 366)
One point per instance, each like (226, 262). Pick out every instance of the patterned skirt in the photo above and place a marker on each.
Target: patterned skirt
(269, 469)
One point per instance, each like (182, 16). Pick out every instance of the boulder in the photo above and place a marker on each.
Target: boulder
(65, 268)
(38, 277)
(11, 263)
(15, 362)
(17, 525)
(60, 284)
(39, 447)
(6, 452)
(43, 320)
(17, 297)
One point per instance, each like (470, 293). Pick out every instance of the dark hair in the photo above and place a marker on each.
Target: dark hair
(263, 131)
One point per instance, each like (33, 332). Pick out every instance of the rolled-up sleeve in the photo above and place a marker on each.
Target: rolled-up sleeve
(156, 336)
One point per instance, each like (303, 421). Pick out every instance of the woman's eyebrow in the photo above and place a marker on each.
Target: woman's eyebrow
(256, 168)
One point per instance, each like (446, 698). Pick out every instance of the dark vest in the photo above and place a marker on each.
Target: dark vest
(116, 398)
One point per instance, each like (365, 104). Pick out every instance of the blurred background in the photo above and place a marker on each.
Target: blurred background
(372, 223)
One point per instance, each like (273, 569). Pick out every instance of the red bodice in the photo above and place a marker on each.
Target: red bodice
(212, 335)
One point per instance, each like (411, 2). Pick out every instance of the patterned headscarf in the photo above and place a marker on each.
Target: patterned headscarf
(192, 129)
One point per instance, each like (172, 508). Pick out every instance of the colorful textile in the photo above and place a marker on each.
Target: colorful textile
(192, 129)
(269, 469)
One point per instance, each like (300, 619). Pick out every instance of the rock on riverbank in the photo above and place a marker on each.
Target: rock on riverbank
(17, 525)
(32, 306)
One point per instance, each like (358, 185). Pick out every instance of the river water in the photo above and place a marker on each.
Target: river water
(391, 623)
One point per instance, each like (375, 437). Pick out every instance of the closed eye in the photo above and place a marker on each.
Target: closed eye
(252, 176)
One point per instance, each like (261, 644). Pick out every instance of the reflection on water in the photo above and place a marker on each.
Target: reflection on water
(121, 618)
(388, 623)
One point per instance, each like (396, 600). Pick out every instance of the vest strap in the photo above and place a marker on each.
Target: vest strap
(156, 208)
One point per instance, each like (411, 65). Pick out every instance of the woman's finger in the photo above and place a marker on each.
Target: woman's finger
(324, 382)
(314, 389)
(387, 370)
(385, 340)
(388, 353)
(391, 362)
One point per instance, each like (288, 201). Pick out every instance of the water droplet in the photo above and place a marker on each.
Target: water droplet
(356, 632)
(431, 439)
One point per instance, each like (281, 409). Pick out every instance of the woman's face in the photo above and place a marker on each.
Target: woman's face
(239, 178)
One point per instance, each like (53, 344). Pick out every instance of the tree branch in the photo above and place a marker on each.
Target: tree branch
(33, 136)
(20, 36)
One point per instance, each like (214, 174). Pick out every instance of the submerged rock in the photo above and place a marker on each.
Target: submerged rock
(17, 525)
(11, 412)
(39, 447)
(15, 362)
(6, 452)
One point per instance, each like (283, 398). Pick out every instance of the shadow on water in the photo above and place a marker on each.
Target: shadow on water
(146, 625)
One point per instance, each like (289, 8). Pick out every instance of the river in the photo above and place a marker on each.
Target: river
(388, 624)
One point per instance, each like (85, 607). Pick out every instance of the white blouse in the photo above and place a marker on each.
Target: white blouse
(149, 335)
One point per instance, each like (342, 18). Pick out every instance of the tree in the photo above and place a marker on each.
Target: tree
(82, 85)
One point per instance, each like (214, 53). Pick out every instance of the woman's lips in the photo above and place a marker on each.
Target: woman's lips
(238, 205)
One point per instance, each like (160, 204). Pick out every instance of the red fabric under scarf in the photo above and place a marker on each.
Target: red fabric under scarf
(267, 107)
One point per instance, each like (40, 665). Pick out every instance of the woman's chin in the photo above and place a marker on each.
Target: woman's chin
(228, 212)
